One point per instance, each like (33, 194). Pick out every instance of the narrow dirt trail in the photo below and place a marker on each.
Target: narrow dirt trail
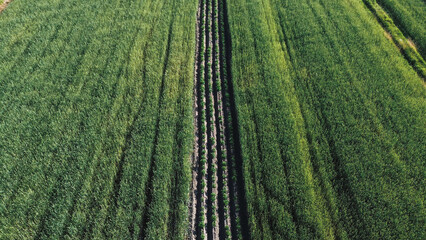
(212, 213)
(4, 5)
(214, 202)
(199, 132)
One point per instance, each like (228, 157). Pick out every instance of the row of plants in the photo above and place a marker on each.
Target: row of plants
(211, 120)
(223, 158)
(203, 122)
(221, 126)
(227, 138)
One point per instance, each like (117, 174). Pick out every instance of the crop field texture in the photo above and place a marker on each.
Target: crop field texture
(212, 119)
(407, 47)
(331, 120)
(96, 119)
(410, 18)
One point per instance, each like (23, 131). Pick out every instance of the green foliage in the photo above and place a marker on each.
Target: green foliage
(101, 119)
(410, 17)
(331, 122)
(410, 51)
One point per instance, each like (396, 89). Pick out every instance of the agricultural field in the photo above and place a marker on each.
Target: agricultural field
(212, 119)
(331, 119)
(96, 119)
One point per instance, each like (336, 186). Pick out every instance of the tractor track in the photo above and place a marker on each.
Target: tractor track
(216, 196)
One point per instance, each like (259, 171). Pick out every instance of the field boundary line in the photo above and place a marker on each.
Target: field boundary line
(404, 44)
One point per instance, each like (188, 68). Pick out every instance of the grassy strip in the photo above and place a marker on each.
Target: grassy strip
(176, 135)
(277, 172)
(201, 217)
(91, 209)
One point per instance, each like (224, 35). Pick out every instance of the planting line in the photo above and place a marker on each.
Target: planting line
(214, 211)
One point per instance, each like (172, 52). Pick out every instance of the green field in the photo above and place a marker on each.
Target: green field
(96, 119)
(332, 122)
(303, 119)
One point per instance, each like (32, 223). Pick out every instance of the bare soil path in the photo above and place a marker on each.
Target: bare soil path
(214, 210)
(4, 5)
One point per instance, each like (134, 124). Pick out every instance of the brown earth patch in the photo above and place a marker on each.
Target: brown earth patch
(4, 5)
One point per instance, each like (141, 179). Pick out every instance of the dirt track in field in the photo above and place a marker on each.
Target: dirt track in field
(4, 5)
(214, 208)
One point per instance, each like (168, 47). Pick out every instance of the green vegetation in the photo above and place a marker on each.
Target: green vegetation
(410, 17)
(310, 121)
(96, 119)
(201, 217)
(406, 45)
(230, 131)
(331, 120)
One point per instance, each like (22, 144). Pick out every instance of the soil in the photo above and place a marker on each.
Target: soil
(219, 197)
(4, 5)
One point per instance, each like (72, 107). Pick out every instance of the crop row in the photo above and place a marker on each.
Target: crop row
(222, 147)
(218, 215)
(225, 217)
(232, 198)
(211, 126)
(202, 220)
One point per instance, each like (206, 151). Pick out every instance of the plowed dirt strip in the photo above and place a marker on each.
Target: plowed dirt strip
(197, 198)
(4, 5)
(212, 213)
(214, 209)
